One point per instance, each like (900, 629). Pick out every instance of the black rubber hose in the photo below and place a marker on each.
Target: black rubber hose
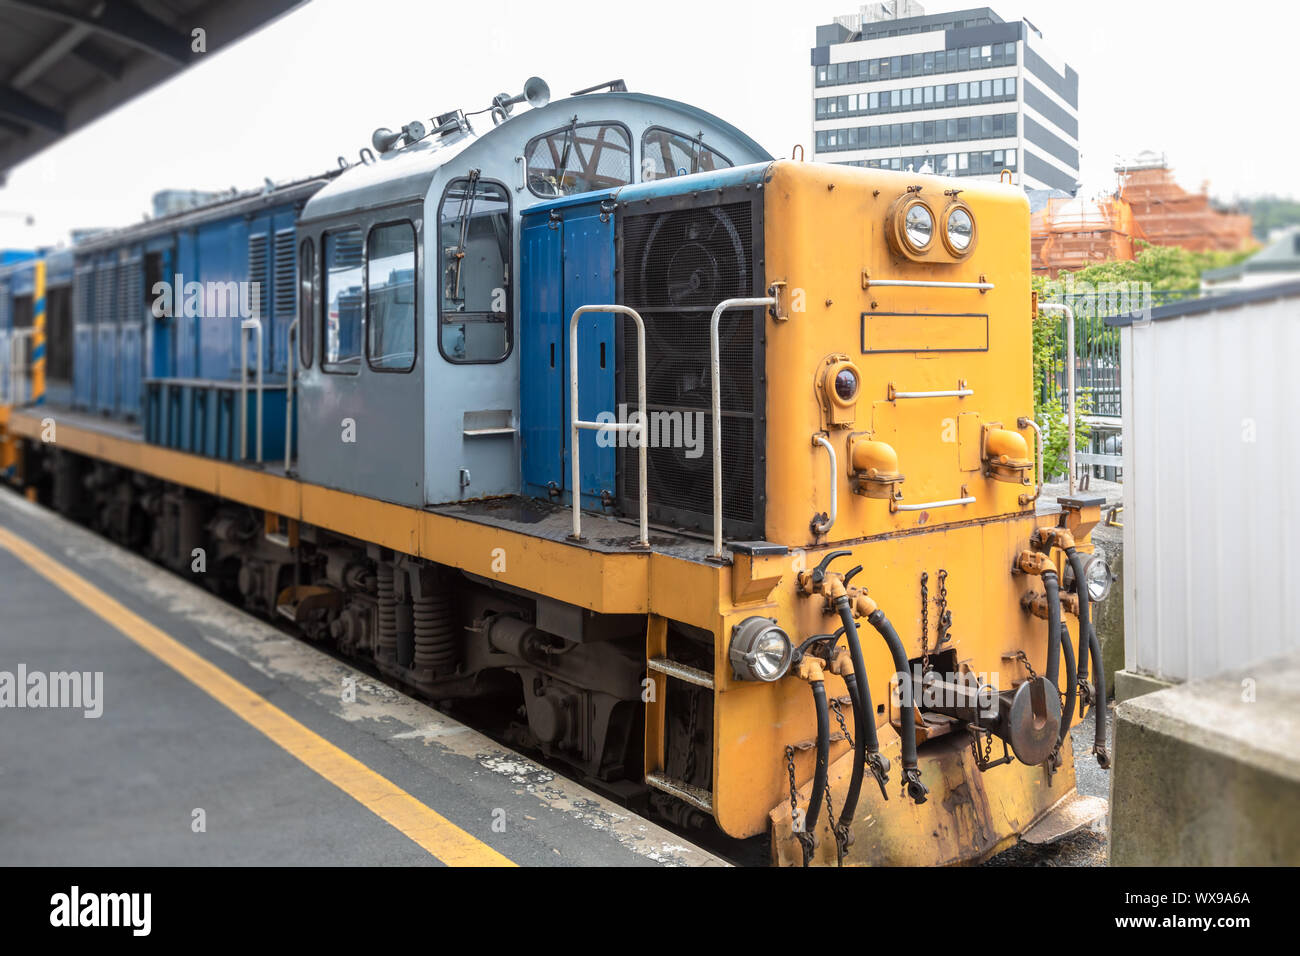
(1085, 622)
(911, 773)
(1052, 587)
(823, 759)
(1088, 644)
(864, 714)
(1067, 714)
(859, 755)
(1099, 734)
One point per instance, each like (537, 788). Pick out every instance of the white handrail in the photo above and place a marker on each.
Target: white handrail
(289, 395)
(821, 527)
(1026, 422)
(961, 391)
(868, 283)
(1069, 381)
(923, 505)
(641, 428)
(253, 324)
(716, 371)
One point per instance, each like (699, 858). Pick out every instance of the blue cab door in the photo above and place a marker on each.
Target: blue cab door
(567, 261)
(541, 344)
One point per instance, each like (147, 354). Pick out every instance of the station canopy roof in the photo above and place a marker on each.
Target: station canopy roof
(65, 63)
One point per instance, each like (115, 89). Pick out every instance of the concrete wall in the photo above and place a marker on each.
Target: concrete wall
(1207, 773)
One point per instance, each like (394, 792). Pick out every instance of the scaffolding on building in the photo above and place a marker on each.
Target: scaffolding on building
(1147, 204)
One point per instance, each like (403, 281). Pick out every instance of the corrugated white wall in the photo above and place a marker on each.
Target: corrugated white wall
(1211, 479)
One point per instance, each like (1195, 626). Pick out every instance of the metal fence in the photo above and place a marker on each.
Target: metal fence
(1097, 376)
(1096, 351)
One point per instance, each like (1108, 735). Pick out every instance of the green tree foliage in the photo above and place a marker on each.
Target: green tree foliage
(1270, 212)
(1168, 273)
(1049, 412)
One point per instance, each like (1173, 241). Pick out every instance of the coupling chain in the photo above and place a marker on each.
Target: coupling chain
(925, 621)
(945, 615)
(804, 838)
(839, 716)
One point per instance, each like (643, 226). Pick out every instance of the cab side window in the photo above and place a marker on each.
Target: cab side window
(306, 299)
(474, 245)
(344, 294)
(665, 153)
(579, 158)
(391, 297)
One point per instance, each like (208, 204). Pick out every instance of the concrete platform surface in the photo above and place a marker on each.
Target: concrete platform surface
(222, 740)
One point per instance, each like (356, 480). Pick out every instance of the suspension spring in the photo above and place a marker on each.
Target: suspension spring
(435, 632)
(386, 638)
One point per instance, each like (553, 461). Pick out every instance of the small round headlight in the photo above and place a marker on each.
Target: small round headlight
(918, 226)
(759, 650)
(846, 384)
(959, 230)
(1097, 576)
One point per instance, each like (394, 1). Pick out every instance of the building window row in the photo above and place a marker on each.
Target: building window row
(953, 130)
(981, 163)
(871, 33)
(917, 64)
(917, 98)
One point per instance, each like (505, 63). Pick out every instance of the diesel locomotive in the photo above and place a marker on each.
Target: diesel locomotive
(713, 475)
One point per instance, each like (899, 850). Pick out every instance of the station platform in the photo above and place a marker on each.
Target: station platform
(221, 740)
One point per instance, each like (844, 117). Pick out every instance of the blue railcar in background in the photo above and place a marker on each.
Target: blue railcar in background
(157, 314)
(17, 311)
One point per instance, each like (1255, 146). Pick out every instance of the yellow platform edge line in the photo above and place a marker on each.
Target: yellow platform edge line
(422, 825)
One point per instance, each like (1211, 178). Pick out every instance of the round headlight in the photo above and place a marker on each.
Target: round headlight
(959, 230)
(846, 384)
(918, 226)
(759, 650)
(1097, 577)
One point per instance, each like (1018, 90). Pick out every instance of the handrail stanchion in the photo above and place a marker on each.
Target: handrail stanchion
(1069, 382)
(715, 364)
(253, 324)
(641, 428)
(822, 527)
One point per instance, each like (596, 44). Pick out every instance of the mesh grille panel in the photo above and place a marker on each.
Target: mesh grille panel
(677, 266)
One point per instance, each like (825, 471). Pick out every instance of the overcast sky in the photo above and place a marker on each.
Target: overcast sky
(1203, 82)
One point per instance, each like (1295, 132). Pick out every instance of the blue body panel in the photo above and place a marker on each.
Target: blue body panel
(567, 261)
(541, 349)
(130, 367)
(222, 258)
(185, 329)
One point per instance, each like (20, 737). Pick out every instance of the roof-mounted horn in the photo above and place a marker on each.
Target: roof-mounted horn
(536, 92)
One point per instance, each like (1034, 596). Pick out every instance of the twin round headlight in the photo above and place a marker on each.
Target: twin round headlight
(760, 650)
(958, 230)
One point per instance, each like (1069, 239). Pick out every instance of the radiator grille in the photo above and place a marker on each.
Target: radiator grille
(258, 272)
(678, 260)
(286, 280)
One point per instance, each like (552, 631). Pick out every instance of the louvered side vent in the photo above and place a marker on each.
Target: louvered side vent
(134, 298)
(257, 272)
(286, 282)
(103, 294)
(119, 291)
(83, 295)
(679, 258)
